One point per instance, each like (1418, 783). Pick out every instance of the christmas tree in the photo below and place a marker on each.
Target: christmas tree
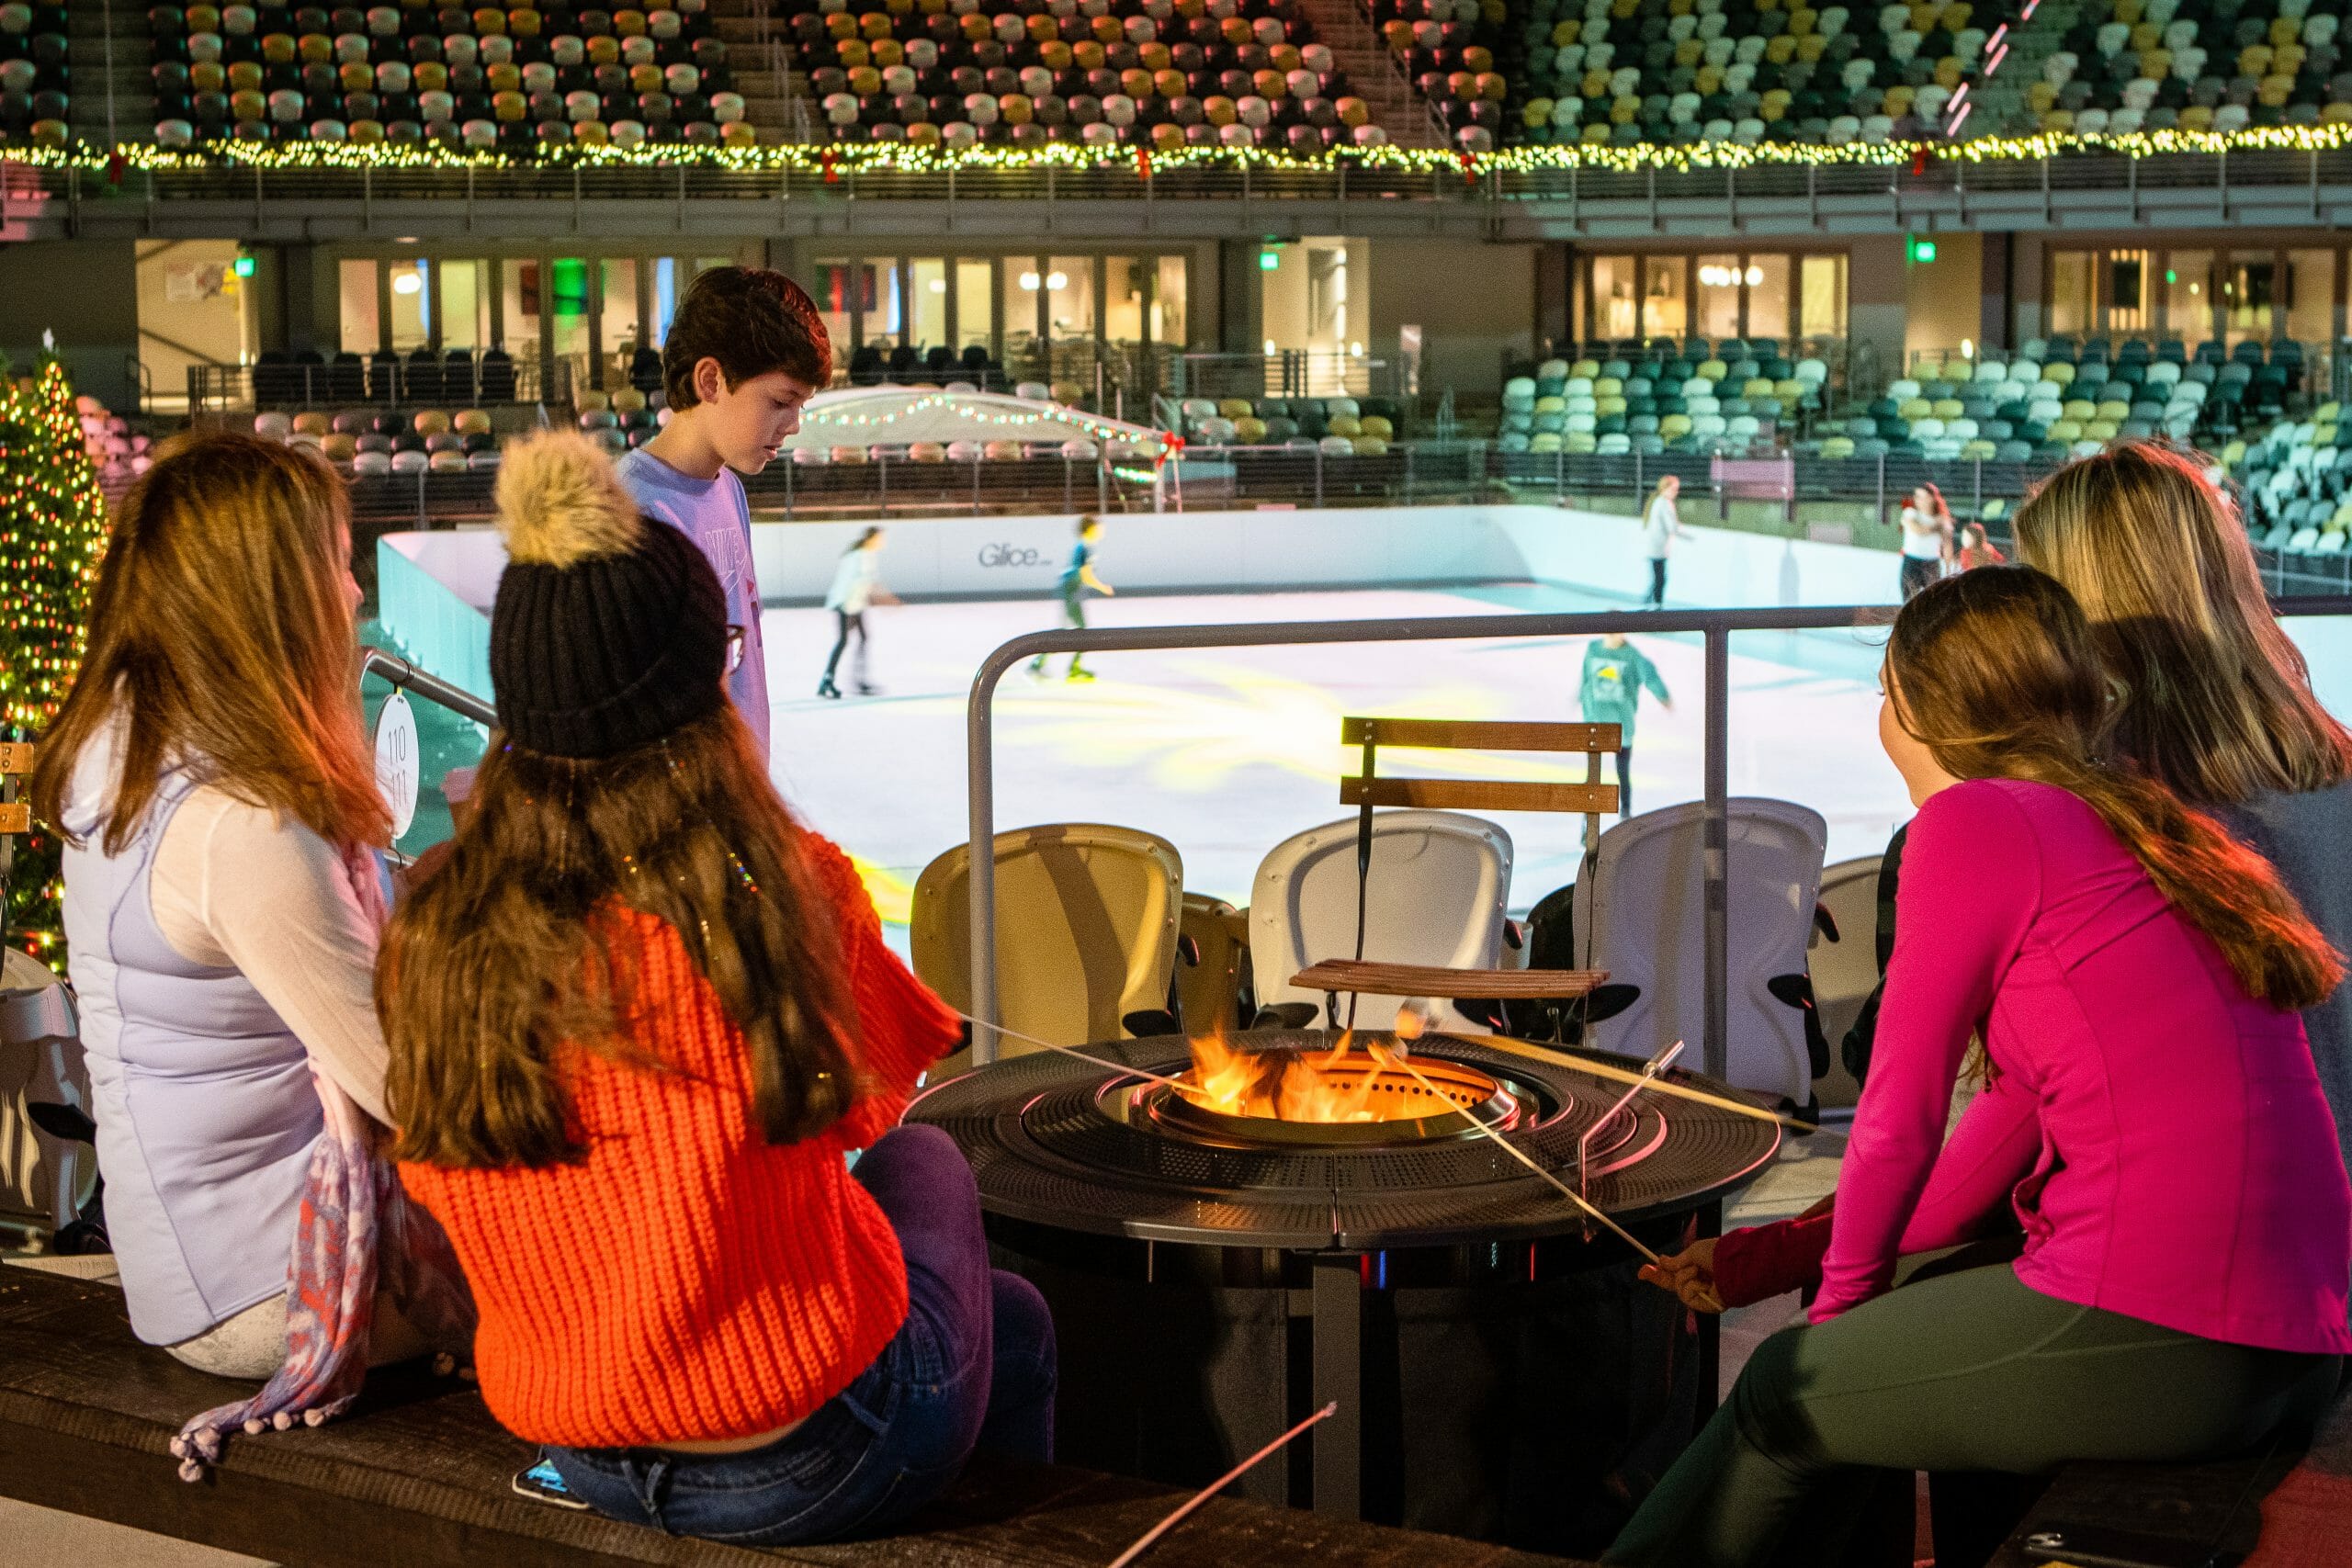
(53, 531)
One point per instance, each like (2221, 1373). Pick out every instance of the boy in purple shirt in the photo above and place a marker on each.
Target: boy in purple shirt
(745, 350)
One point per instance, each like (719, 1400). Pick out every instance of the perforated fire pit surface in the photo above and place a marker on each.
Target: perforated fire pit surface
(1063, 1143)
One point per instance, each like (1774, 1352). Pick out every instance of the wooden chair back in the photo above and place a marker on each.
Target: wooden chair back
(1591, 797)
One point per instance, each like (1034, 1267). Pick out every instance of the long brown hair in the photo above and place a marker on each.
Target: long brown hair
(1996, 672)
(222, 629)
(512, 947)
(2220, 704)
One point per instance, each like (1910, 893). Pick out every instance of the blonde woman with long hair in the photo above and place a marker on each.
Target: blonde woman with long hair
(224, 893)
(2215, 699)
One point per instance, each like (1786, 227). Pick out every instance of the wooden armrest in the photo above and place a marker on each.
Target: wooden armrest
(1348, 976)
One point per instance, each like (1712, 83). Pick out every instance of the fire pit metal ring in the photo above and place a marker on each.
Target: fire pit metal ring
(1059, 1141)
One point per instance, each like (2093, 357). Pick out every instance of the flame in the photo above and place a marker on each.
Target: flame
(1227, 1078)
(1336, 1086)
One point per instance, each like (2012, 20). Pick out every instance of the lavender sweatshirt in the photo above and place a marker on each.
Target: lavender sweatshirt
(716, 514)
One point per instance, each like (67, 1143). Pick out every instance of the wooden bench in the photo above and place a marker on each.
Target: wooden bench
(2283, 1508)
(419, 1475)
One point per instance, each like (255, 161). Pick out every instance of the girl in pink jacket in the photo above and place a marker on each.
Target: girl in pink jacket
(2151, 1118)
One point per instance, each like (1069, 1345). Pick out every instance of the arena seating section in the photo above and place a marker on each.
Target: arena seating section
(1335, 426)
(1449, 50)
(1162, 73)
(2297, 484)
(1167, 73)
(34, 81)
(938, 366)
(308, 378)
(367, 441)
(115, 451)
(1662, 397)
(1620, 71)
(490, 77)
(2223, 65)
(2059, 398)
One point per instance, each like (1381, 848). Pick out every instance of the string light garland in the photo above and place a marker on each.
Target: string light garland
(834, 161)
(53, 532)
(979, 411)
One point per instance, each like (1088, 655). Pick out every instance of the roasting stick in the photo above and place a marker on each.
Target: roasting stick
(1410, 1023)
(1219, 1485)
(1188, 1090)
(1629, 1076)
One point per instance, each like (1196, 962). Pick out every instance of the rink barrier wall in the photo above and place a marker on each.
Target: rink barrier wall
(435, 589)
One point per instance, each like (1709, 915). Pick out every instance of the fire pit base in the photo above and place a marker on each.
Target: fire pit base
(1499, 1409)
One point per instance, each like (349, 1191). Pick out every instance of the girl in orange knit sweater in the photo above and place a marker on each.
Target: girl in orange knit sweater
(637, 1021)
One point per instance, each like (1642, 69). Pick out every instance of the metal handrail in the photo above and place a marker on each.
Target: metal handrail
(405, 676)
(1716, 625)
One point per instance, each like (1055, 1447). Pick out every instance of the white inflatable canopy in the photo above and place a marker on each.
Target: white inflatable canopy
(899, 416)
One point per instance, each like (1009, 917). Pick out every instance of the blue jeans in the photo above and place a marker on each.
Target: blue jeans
(973, 1366)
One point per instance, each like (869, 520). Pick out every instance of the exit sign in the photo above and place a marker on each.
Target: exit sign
(1919, 250)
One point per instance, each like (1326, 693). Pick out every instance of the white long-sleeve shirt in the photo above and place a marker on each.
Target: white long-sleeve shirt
(234, 887)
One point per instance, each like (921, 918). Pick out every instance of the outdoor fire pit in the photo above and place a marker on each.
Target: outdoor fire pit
(1240, 1231)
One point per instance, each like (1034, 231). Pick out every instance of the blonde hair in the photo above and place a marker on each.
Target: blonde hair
(2219, 705)
(221, 627)
(1996, 672)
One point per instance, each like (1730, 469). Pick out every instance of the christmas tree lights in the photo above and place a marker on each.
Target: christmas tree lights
(53, 532)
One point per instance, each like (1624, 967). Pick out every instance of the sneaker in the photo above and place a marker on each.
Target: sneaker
(867, 689)
(825, 688)
(1078, 674)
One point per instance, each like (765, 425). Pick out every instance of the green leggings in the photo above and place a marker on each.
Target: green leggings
(1969, 1371)
(1073, 620)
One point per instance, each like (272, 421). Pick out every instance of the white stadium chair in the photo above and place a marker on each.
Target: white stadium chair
(1436, 896)
(1638, 914)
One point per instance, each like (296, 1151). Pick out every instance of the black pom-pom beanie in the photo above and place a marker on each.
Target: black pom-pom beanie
(609, 630)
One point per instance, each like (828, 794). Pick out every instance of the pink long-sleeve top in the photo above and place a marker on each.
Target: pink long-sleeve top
(2160, 1135)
